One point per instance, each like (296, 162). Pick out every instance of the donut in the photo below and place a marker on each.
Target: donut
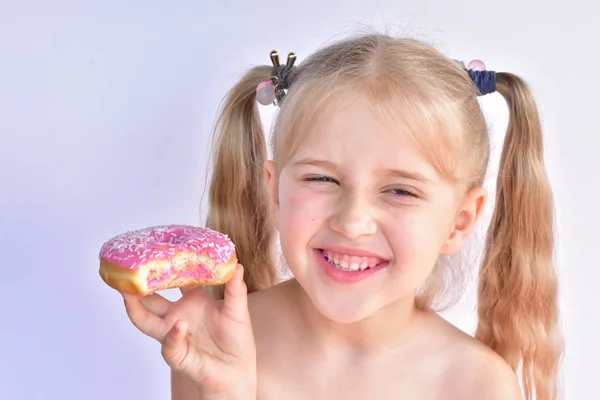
(155, 258)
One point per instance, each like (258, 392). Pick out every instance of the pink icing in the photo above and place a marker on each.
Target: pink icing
(130, 249)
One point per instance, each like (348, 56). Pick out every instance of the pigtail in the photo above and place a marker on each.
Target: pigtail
(518, 289)
(238, 199)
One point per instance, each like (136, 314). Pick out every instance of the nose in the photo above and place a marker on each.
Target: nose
(353, 219)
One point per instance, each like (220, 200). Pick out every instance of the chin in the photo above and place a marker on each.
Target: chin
(347, 297)
(341, 306)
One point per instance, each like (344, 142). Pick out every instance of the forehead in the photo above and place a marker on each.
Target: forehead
(357, 138)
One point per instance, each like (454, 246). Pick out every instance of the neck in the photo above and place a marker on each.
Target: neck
(387, 328)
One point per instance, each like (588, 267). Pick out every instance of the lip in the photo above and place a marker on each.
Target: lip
(347, 277)
(353, 252)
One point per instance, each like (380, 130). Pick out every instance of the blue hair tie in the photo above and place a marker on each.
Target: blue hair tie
(484, 80)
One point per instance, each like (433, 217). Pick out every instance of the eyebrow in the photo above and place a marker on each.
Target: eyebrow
(412, 175)
(316, 163)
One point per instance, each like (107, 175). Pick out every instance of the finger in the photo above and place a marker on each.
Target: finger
(146, 321)
(175, 346)
(195, 291)
(186, 289)
(236, 296)
(156, 304)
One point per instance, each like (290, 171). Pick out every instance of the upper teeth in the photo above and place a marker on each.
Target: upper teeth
(351, 263)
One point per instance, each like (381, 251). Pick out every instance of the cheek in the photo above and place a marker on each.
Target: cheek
(406, 236)
(415, 252)
(300, 211)
(301, 216)
(416, 236)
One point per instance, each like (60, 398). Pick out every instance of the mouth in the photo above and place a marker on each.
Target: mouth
(352, 263)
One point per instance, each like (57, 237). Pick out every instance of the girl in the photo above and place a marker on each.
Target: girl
(380, 152)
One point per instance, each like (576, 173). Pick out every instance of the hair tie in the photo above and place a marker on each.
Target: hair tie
(484, 80)
(273, 91)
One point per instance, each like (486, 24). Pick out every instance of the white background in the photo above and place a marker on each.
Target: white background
(105, 113)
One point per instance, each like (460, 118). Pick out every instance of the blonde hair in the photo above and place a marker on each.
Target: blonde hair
(435, 100)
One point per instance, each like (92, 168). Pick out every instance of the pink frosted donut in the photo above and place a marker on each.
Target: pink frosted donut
(168, 256)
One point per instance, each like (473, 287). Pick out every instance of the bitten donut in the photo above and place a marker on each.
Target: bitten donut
(168, 256)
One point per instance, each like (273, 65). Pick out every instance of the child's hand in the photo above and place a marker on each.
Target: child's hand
(207, 340)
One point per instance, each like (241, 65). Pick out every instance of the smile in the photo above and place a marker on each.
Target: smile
(348, 269)
(349, 263)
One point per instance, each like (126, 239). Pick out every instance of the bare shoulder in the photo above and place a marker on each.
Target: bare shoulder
(275, 331)
(271, 316)
(475, 371)
(269, 303)
(490, 377)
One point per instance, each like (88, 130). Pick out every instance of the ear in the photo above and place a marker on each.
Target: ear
(466, 217)
(272, 184)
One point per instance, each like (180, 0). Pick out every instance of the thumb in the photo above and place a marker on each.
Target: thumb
(175, 345)
(236, 296)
